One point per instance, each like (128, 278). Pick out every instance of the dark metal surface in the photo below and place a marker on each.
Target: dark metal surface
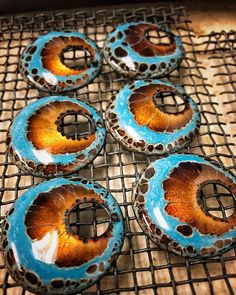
(12, 6)
(142, 267)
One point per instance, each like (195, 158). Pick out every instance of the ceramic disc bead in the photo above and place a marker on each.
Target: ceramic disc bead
(42, 252)
(39, 144)
(43, 65)
(167, 203)
(134, 119)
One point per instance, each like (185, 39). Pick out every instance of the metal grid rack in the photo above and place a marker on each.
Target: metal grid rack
(207, 74)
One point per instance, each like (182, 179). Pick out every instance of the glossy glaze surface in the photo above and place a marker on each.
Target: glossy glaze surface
(167, 206)
(130, 52)
(42, 65)
(41, 253)
(134, 120)
(37, 144)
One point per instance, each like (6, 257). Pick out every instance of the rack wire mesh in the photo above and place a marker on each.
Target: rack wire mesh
(208, 75)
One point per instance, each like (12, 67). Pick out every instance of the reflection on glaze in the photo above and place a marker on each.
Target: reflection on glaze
(159, 216)
(134, 119)
(42, 64)
(168, 209)
(42, 254)
(45, 249)
(36, 142)
(129, 51)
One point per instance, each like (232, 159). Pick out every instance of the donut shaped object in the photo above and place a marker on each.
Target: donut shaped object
(42, 62)
(168, 207)
(137, 123)
(130, 51)
(38, 143)
(43, 254)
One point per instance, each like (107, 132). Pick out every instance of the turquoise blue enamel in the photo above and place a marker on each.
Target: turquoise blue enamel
(42, 62)
(131, 52)
(167, 205)
(40, 252)
(134, 119)
(37, 144)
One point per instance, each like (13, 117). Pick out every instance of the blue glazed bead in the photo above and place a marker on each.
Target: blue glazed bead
(131, 52)
(38, 143)
(168, 206)
(39, 250)
(134, 119)
(42, 62)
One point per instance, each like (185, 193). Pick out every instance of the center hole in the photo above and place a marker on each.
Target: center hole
(75, 57)
(89, 220)
(169, 102)
(217, 200)
(158, 37)
(75, 125)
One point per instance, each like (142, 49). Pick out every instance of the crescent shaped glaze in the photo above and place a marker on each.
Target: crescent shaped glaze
(133, 118)
(37, 144)
(39, 249)
(42, 63)
(168, 208)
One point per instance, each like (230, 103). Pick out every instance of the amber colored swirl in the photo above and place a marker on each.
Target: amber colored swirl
(51, 55)
(135, 36)
(43, 133)
(47, 216)
(182, 189)
(145, 112)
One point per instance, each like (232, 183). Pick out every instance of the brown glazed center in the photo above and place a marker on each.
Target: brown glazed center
(43, 131)
(136, 37)
(143, 107)
(52, 51)
(46, 217)
(182, 189)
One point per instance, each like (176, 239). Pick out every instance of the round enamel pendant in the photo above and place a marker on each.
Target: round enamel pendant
(44, 246)
(44, 63)
(140, 119)
(55, 135)
(170, 202)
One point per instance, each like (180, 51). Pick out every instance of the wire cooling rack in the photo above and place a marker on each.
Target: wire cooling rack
(208, 75)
